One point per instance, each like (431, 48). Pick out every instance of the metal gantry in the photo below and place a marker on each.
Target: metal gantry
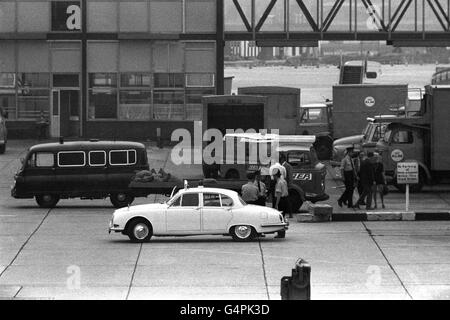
(421, 22)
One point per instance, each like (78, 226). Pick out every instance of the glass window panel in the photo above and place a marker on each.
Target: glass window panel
(71, 159)
(134, 105)
(131, 156)
(190, 200)
(8, 103)
(200, 80)
(226, 201)
(97, 158)
(211, 200)
(168, 97)
(102, 80)
(102, 104)
(33, 80)
(66, 80)
(169, 80)
(42, 159)
(7, 80)
(33, 103)
(118, 157)
(135, 80)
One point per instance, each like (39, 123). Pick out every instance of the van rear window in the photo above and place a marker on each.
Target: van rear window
(71, 159)
(122, 157)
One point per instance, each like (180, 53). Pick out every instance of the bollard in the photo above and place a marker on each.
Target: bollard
(297, 286)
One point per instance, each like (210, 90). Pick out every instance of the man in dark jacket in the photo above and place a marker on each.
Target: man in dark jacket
(367, 179)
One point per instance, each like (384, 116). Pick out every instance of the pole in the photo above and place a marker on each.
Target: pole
(407, 197)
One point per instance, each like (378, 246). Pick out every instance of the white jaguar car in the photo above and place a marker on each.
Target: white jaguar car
(198, 211)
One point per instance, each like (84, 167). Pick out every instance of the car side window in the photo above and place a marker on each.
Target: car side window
(189, 200)
(226, 201)
(211, 200)
(42, 159)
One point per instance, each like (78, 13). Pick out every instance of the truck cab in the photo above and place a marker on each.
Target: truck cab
(404, 142)
(317, 119)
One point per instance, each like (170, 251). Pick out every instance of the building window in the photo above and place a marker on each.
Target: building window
(168, 80)
(102, 96)
(33, 95)
(8, 94)
(168, 104)
(194, 106)
(135, 96)
(65, 81)
(199, 80)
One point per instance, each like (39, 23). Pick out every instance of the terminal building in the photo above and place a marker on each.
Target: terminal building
(107, 68)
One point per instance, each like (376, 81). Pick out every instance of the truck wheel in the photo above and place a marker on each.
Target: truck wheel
(296, 201)
(243, 233)
(120, 200)
(232, 174)
(139, 230)
(47, 200)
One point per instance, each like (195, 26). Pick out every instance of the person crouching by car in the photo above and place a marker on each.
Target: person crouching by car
(262, 191)
(249, 191)
(281, 198)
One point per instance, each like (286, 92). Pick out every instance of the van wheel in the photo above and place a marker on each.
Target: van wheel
(2, 148)
(139, 230)
(243, 233)
(120, 200)
(47, 200)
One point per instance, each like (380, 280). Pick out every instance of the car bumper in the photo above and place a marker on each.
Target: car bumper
(114, 227)
(280, 225)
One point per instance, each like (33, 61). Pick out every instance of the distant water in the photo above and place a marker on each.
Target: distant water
(316, 83)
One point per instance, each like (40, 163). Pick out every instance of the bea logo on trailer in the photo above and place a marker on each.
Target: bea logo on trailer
(369, 102)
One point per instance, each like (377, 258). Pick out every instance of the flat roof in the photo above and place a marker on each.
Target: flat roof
(86, 145)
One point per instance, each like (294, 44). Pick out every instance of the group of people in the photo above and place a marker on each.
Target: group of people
(366, 172)
(256, 192)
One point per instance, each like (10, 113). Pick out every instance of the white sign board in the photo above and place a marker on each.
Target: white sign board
(407, 172)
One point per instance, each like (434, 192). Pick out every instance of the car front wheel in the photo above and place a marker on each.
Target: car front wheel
(140, 230)
(243, 233)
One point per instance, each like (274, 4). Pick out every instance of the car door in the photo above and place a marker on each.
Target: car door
(217, 212)
(184, 215)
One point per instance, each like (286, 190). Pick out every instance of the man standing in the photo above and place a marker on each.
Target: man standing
(281, 197)
(289, 180)
(261, 189)
(348, 173)
(249, 191)
(367, 178)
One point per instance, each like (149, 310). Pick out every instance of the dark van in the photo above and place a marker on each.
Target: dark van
(82, 169)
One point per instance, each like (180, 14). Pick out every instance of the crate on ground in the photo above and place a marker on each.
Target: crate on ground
(320, 212)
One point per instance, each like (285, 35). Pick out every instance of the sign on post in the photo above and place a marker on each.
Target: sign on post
(407, 173)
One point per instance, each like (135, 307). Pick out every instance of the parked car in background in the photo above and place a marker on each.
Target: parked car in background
(3, 131)
(80, 169)
(198, 211)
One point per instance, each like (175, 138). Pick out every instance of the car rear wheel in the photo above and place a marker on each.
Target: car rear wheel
(140, 230)
(47, 200)
(232, 175)
(243, 233)
(120, 200)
